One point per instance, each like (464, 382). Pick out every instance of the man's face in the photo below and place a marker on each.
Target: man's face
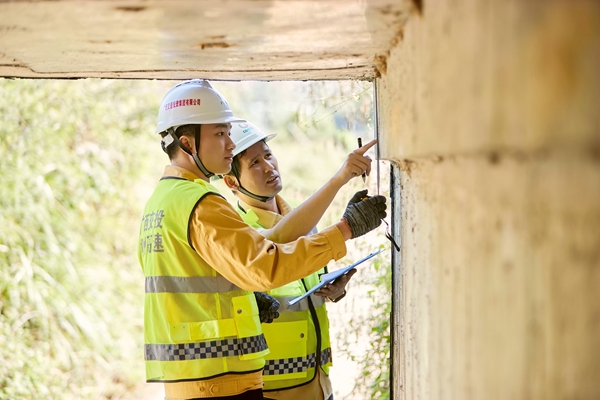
(259, 172)
(216, 147)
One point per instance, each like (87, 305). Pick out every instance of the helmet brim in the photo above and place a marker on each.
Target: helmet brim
(222, 120)
(246, 146)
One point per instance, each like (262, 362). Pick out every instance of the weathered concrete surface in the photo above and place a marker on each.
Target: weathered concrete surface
(488, 75)
(491, 110)
(500, 269)
(177, 39)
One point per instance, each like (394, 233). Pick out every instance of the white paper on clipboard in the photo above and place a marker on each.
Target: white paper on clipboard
(332, 276)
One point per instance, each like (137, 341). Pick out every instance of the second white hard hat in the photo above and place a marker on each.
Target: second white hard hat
(245, 134)
(193, 102)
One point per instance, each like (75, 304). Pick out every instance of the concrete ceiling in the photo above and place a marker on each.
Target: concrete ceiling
(179, 39)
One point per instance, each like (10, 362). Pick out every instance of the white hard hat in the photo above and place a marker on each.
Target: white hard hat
(193, 102)
(245, 134)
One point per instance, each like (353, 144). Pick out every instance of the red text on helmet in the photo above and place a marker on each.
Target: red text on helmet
(182, 103)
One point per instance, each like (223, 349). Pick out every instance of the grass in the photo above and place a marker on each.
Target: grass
(68, 283)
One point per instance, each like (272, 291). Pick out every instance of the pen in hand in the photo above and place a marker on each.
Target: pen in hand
(364, 175)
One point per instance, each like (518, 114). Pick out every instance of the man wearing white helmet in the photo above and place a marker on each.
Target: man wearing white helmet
(297, 367)
(201, 261)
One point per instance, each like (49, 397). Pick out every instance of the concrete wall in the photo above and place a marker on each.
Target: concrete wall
(491, 112)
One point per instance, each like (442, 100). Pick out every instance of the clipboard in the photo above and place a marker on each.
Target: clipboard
(332, 276)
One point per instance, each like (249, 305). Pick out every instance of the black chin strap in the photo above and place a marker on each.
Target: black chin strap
(243, 190)
(197, 160)
(264, 199)
(199, 164)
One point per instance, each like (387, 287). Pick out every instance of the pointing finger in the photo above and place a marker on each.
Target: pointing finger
(366, 147)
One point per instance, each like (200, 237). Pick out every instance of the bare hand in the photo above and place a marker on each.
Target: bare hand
(356, 164)
(336, 288)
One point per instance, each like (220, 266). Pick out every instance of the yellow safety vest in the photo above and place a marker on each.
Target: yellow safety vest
(299, 338)
(197, 324)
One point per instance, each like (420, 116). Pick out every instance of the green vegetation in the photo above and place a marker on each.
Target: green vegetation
(79, 158)
(370, 324)
(70, 291)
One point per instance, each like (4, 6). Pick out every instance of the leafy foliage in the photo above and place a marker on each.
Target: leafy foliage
(374, 328)
(72, 153)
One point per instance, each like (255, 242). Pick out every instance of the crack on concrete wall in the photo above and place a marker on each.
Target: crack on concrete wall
(130, 8)
(8, 28)
(395, 20)
(380, 68)
(398, 37)
(17, 64)
(418, 6)
(407, 165)
(14, 64)
(221, 45)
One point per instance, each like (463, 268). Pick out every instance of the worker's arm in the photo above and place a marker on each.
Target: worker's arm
(305, 217)
(249, 260)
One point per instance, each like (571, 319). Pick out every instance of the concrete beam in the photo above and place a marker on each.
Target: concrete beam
(178, 39)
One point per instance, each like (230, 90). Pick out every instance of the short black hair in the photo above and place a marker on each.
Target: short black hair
(187, 130)
(236, 170)
(235, 165)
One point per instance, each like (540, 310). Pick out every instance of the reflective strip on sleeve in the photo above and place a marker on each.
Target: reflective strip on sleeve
(194, 284)
(296, 364)
(212, 349)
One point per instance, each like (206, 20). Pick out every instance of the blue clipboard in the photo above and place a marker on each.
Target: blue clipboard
(332, 276)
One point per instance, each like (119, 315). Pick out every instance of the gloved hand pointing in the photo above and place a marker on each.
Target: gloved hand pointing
(268, 307)
(365, 215)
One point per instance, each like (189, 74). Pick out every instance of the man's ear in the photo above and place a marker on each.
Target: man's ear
(187, 142)
(231, 182)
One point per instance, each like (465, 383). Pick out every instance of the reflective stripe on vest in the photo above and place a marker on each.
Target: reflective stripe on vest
(197, 324)
(193, 284)
(295, 365)
(213, 349)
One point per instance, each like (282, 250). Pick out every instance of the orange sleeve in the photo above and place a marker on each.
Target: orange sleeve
(246, 258)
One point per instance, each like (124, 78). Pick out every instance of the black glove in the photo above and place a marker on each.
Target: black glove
(364, 213)
(268, 307)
